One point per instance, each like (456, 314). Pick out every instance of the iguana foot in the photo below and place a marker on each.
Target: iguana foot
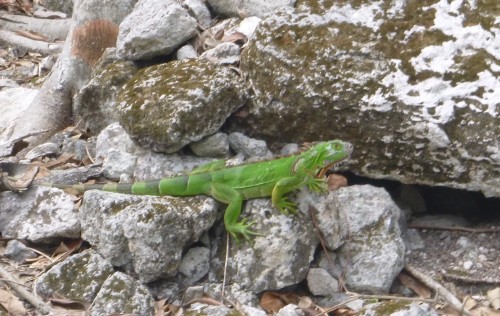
(241, 229)
(287, 207)
(318, 185)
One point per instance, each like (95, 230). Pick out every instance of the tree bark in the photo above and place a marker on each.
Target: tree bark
(94, 28)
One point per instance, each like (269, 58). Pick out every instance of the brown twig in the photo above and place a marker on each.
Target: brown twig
(25, 294)
(440, 290)
(324, 247)
(457, 228)
(393, 297)
(469, 280)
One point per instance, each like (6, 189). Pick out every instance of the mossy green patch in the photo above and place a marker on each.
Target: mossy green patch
(468, 67)
(389, 307)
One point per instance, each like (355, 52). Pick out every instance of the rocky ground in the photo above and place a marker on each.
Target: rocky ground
(459, 252)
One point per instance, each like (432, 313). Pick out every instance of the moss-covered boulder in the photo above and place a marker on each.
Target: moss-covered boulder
(79, 278)
(168, 106)
(413, 84)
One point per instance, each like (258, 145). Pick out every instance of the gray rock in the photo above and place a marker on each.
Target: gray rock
(157, 166)
(328, 216)
(144, 233)
(290, 310)
(233, 292)
(328, 261)
(60, 5)
(8, 83)
(186, 52)
(118, 163)
(122, 156)
(72, 176)
(194, 265)
(248, 26)
(94, 104)
(276, 260)
(79, 277)
(42, 150)
(13, 103)
(153, 29)
(245, 8)
(387, 77)
(216, 145)
(321, 283)
(80, 149)
(413, 240)
(121, 294)
(39, 215)
(18, 252)
(199, 9)
(114, 137)
(209, 310)
(253, 311)
(249, 147)
(372, 226)
(412, 309)
(289, 149)
(163, 289)
(224, 54)
(162, 106)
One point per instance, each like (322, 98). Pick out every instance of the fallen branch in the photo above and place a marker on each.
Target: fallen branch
(392, 297)
(8, 279)
(469, 280)
(440, 290)
(458, 228)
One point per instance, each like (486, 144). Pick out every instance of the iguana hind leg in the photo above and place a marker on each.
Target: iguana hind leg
(234, 199)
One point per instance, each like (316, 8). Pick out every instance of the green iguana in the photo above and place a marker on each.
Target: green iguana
(233, 184)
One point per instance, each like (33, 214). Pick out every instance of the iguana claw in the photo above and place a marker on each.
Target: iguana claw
(241, 229)
(287, 207)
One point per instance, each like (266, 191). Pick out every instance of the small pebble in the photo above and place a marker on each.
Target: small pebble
(468, 265)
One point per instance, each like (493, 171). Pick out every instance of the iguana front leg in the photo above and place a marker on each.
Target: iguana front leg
(234, 199)
(283, 186)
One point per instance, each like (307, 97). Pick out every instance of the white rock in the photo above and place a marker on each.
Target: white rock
(154, 28)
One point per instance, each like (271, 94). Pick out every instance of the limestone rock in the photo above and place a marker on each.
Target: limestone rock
(162, 106)
(145, 233)
(276, 260)
(372, 225)
(247, 8)
(38, 215)
(153, 29)
(78, 278)
(413, 85)
(121, 294)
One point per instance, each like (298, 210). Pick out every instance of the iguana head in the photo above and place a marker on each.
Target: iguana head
(324, 155)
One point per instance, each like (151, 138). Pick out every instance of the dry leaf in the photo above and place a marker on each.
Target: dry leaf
(484, 311)
(415, 285)
(12, 304)
(469, 303)
(494, 298)
(68, 246)
(271, 302)
(236, 37)
(32, 35)
(343, 312)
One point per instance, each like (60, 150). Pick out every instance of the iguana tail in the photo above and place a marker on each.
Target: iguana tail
(140, 188)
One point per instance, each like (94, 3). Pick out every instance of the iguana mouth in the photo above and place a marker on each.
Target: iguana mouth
(322, 172)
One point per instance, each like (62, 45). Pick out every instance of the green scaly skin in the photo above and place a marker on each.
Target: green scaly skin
(232, 185)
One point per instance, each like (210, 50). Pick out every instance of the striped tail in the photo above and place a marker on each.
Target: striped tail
(139, 188)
